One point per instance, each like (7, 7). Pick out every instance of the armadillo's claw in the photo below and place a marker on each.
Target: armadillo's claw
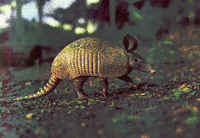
(81, 95)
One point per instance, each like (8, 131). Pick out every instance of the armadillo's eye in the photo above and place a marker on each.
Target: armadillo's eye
(136, 60)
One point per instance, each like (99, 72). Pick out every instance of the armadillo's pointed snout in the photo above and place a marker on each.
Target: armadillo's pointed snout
(149, 69)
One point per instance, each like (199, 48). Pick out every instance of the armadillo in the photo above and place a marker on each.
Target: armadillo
(91, 57)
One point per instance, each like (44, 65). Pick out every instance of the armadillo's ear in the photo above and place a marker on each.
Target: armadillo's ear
(126, 43)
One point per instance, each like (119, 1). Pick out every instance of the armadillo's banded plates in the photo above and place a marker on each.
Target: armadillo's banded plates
(91, 57)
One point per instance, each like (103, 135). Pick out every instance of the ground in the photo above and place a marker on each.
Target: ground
(163, 105)
(145, 110)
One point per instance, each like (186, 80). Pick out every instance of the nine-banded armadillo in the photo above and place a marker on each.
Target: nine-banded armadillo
(88, 57)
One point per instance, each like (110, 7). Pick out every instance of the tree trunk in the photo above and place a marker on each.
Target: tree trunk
(40, 5)
(19, 27)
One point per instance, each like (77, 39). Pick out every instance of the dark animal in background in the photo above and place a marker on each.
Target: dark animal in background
(4, 37)
(37, 54)
(92, 57)
(6, 55)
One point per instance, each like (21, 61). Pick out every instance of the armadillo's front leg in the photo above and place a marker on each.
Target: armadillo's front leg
(126, 78)
(104, 84)
(78, 87)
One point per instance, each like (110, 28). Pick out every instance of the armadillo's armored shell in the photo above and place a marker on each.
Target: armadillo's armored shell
(90, 57)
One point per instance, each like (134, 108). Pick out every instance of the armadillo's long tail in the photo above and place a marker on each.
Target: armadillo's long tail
(50, 85)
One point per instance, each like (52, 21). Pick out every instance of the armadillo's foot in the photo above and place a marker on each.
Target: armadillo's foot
(105, 93)
(81, 95)
(104, 83)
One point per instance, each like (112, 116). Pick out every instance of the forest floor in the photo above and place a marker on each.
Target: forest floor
(145, 110)
(163, 105)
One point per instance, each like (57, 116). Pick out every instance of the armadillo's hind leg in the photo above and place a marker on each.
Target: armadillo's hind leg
(104, 84)
(78, 87)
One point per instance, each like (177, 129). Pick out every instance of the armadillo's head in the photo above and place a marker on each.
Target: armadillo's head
(138, 63)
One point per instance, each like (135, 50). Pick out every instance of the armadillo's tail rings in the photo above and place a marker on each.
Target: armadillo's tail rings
(50, 85)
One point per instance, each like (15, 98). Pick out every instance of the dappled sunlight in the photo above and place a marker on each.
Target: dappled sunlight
(67, 27)
(89, 2)
(30, 11)
(51, 21)
(79, 30)
(81, 20)
(52, 5)
(5, 13)
(91, 27)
